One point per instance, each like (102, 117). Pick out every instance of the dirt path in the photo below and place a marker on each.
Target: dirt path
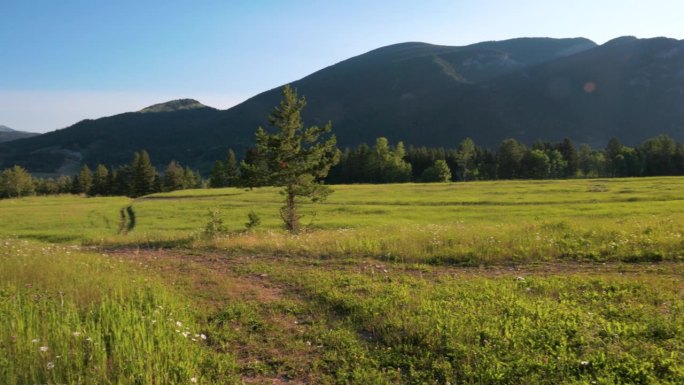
(268, 344)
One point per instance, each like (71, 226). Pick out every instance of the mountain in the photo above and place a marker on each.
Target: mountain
(423, 94)
(174, 105)
(7, 134)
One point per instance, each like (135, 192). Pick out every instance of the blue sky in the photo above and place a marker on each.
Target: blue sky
(64, 61)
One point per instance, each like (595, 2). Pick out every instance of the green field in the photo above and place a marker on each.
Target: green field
(509, 282)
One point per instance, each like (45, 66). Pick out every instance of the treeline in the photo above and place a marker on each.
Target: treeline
(386, 163)
(383, 163)
(135, 179)
(380, 163)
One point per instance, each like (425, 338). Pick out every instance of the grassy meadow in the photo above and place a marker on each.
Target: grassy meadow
(508, 282)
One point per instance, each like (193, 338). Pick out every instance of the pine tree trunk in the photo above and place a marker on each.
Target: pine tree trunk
(292, 220)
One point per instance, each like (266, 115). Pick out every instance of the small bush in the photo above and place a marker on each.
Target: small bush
(214, 226)
(253, 220)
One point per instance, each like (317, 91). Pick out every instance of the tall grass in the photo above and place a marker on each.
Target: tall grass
(79, 318)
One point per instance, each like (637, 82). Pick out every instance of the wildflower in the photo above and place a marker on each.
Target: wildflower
(43, 348)
(520, 278)
(179, 324)
(185, 334)
(50, 365)
(35, 340)
(76, 334)
(202, 336)
(154, 321)
(193, 380)
(89, 339)
(584, 363)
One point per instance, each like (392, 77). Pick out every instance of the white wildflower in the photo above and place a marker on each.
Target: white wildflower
(193, 380)
(50, 365)
(43, 348)
(35, 340)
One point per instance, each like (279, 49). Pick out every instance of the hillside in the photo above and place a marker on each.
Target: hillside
(174, 106)
(423, 94)
(7, 134)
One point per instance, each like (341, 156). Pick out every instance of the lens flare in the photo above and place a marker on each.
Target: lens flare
(589, 87)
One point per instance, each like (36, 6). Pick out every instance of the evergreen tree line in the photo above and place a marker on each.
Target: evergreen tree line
(135, 179)
(383, 163)
(380, 163)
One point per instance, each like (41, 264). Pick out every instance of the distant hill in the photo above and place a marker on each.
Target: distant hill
(423, 94)
(174, 105)
(7, 134)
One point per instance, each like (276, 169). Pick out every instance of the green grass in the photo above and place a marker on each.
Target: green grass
(462, 223)
(538, 328)
(75, 317)
(510, 282)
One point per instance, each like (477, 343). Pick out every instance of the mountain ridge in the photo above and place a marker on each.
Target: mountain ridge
(8, 134)
(173, 106)
(423, 94)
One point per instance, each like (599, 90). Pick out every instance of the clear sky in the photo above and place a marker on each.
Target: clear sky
(67, 60)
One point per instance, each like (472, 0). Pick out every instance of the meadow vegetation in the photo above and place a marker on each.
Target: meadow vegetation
(74, 317)
(516, 282)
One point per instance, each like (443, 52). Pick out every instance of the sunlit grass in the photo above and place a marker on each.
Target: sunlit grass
(79, 318)
(484, 222)
(368, 294)
(461, 327)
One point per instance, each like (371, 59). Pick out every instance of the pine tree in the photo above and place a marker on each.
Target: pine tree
(191, 178)
(569, 152)
(232, 169)
(100, 184)
(294, 158)
(122, 181)
(85, 180)
(64, 184)
(508, 158)
(174, 177)
(143, 174)
(613, 151)
(218, 176)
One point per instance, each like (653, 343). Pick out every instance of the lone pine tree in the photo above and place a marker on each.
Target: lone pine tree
(293, 157)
